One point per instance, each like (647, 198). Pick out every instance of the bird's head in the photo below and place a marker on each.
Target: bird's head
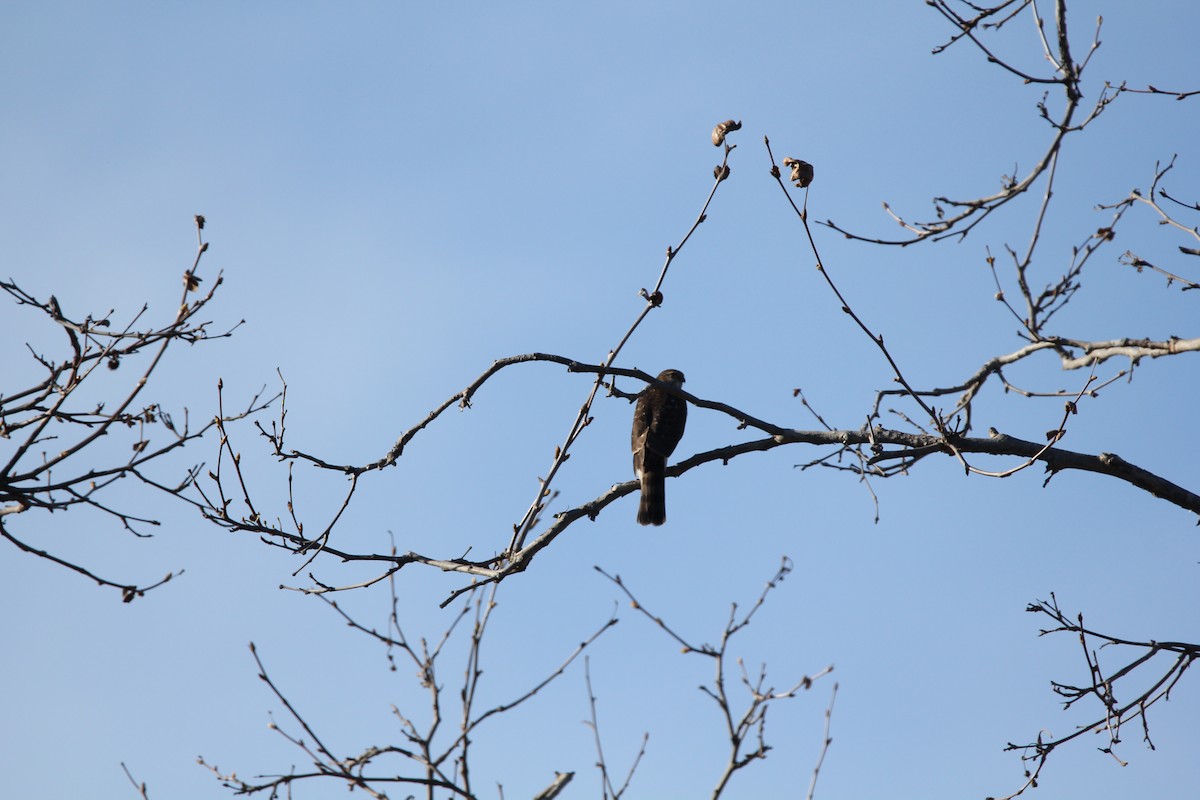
(671, 376)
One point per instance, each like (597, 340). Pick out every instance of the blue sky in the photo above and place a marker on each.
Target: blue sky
(398, 195)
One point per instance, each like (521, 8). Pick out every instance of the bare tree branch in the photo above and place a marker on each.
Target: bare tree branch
(1101, 686)
(607, 790)
(83, 464)
(438, 756)
(745, 731)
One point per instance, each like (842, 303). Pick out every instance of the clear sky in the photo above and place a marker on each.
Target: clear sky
(398, 194)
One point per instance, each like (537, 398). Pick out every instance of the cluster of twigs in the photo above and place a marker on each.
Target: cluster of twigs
(435, 754)
(745, 730)
(1101, 686)
(434, 757)
(53, 430)
(1170, 218)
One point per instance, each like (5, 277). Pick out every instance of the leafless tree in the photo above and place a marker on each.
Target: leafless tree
(933, 421)
(924, 421)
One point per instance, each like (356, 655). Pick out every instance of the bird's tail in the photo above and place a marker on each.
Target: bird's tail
(652, 510)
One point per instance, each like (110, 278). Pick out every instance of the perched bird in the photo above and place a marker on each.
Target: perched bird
(658, 422)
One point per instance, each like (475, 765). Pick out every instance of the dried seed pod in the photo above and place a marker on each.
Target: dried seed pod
(722, 129)
(802, 171)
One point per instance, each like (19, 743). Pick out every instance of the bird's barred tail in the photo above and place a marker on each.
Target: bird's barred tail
(652, 510)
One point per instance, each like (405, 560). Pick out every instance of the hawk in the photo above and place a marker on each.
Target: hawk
(658, 422)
